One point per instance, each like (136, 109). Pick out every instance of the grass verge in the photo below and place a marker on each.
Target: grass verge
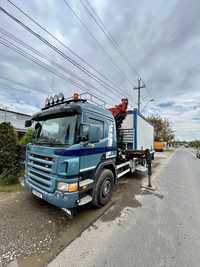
(11, 188)
(169, 151)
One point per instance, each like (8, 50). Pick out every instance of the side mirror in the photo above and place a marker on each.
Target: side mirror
(37, 125)
(28, 123)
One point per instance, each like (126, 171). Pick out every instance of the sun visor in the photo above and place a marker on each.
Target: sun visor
(57, 112)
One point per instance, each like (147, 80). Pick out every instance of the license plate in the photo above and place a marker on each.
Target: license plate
(37, 194)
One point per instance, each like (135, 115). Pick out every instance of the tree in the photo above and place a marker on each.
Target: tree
(8, 154)
(195, 144)
(162, 129)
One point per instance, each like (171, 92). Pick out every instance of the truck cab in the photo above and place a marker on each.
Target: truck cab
(74, 142)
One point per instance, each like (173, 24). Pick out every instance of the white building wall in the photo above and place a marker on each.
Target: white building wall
(16, 119)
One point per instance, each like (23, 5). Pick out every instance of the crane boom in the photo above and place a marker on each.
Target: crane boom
(119, 112)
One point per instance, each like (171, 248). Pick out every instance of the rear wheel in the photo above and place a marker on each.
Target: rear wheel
(103, 188)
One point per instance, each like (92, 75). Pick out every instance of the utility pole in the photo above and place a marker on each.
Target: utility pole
(139, 87)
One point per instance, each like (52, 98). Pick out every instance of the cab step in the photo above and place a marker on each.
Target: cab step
(86, 199)
(141, 168)
(86, 182)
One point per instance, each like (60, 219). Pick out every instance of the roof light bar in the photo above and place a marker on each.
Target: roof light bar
(53, 100)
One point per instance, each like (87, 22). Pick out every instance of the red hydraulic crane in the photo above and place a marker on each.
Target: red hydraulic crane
(119, 112)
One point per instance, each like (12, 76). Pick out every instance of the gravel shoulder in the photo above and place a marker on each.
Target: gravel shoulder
(34, 232)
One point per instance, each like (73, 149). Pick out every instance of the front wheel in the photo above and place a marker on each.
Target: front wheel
(103, 188)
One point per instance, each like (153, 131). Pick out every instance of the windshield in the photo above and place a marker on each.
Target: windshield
(56, 131)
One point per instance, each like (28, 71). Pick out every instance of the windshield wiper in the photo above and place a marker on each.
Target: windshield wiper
(49, 143)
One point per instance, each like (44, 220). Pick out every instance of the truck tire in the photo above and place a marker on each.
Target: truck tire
(103, 188)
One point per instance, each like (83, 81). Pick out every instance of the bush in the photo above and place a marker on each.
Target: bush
(8, 177)
(26, 138)
(9, 166)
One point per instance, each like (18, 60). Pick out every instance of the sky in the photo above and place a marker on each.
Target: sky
(156, 40)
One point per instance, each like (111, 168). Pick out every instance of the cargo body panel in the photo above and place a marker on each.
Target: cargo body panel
(136, 132)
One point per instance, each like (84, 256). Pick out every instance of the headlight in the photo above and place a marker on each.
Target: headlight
(67, 187)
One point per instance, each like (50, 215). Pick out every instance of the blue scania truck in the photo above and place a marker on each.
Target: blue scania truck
(80, 149)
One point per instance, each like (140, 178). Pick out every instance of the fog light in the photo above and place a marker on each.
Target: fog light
(73, 187)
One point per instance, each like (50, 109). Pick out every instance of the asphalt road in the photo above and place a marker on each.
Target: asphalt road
(163, 230)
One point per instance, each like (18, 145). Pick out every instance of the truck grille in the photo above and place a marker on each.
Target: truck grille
(40, 172)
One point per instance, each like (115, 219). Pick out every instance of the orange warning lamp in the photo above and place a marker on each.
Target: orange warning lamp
(76, 96)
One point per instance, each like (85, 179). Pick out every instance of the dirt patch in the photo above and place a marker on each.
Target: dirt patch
(28, 225)
(34, 230)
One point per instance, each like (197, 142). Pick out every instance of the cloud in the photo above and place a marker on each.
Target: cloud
(183, 112)
(160, 38)
(166, 104)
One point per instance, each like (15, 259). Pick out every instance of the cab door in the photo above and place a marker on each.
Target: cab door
(92, 152)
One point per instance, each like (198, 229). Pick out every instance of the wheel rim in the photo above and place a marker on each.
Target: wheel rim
(106, 188)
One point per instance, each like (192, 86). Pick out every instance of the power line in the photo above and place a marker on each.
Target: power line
(36, 61)
(8, 86)
(149, 92)
(93, 36)
(17, 83)
(64, 45)
(11, 87)
(99, 22)
(31, 58)
(11, 36)
(46, 67)
(73, 62)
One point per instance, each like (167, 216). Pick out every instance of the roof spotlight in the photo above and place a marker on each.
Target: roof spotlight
(56, 99)
(46, 103)
(51, 100)
(61, 97)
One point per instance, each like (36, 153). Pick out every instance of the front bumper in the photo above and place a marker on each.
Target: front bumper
(57, 198)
